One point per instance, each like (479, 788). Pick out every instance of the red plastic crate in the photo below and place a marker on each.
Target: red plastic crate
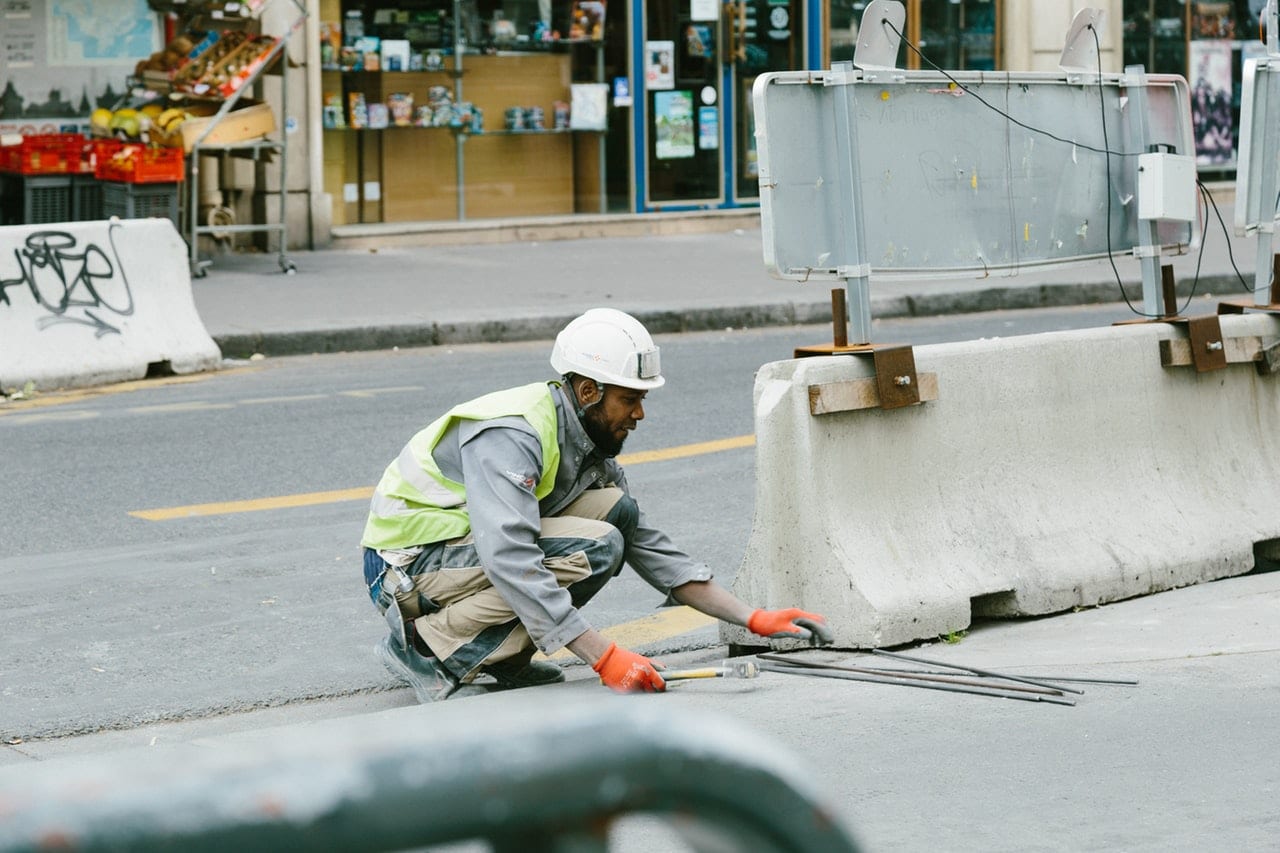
(141, 164)
(95, 151)
(43, 154)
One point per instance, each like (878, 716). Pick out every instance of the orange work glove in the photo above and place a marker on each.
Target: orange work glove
(793, 624)
(627, 672)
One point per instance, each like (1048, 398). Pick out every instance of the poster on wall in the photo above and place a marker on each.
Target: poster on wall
(708, 128)
(673, 124)
(659, 65)
(61, 59)
(1210, 65)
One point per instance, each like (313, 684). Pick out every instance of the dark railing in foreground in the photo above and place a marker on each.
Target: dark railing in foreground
(528, 772)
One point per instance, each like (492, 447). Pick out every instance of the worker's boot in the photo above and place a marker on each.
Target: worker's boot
(522, 671)
(430, 681)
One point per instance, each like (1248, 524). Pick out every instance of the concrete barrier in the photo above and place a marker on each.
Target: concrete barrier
(86, 303)
(1052, 471)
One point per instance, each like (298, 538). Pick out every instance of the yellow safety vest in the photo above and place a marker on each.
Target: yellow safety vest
(415, 504)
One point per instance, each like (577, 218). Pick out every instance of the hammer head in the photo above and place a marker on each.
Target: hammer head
(740, 668)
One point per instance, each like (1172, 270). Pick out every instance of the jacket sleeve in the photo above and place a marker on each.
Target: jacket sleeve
(501, 466)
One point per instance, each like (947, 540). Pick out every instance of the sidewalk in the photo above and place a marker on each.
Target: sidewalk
(343, 300)
(1183, 760)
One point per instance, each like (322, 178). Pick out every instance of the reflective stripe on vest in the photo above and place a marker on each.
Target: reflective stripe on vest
(416, 504)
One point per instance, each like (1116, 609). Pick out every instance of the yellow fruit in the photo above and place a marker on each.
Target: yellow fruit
(151, 111)
(126, 122)
(100, 121)
(170, 119)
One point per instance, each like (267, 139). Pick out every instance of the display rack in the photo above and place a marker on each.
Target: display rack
(260, 150)
(458, 53)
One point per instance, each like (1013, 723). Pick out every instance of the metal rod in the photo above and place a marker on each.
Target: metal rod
(972, 669)
(839, 318)
(1130, 682)
(977, 691)
(910, 676)
(1170, 286)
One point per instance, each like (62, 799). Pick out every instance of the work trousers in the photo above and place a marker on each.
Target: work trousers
(463, 619)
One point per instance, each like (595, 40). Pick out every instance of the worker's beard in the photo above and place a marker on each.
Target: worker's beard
(600, 434)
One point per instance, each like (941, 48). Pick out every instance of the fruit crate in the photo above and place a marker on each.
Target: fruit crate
(43, 154)
(141, 164)
(86, 198)
(34, 199)
(139, 201)
(97, 150)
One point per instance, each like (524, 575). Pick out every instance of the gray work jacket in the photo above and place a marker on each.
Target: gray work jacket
(498, 461)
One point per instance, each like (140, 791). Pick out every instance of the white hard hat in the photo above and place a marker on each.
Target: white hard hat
(611, 347)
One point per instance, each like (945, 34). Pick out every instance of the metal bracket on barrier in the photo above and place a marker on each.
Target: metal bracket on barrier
(1239, 306)
(1204, 346)
(896, 383)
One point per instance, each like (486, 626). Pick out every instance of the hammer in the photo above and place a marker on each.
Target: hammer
(727, 669)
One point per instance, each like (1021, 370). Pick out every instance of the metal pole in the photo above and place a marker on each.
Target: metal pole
(1148, 248)
(908, 676)
(974, 670)
(858, 282)
(1266, 189)
(871, 679)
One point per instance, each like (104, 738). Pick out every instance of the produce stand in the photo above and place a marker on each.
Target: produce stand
(226, 69)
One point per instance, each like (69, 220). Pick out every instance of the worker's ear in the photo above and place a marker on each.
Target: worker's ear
(588, 390)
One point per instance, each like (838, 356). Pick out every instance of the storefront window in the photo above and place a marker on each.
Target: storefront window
(954, 34)
(1208, 43)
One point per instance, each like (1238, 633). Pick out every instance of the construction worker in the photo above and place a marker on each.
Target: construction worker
(497, 522)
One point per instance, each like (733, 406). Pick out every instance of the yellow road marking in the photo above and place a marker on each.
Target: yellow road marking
(293, 398)
(56, 415)
(369, 392)
(58, 398)
(255, 505)
(669, 622)
(684, 450)
(364, 493)
(190, 406)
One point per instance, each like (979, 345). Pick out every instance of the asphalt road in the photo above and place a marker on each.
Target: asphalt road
(154, 568)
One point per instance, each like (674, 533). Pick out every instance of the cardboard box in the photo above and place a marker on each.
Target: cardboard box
(246, 122)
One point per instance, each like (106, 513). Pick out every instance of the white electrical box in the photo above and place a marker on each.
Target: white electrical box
(1167, 187)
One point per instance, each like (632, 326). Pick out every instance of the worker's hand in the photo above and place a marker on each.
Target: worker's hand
(627, 672)
(793, 624)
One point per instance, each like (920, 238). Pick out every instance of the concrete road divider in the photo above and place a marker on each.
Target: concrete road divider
(1051, 471)
(87, 303)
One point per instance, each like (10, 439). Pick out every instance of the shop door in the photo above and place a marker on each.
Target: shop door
(764, 35)
(683, 104)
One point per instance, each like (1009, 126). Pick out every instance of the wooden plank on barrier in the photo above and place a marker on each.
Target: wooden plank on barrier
(855, 394)
(1177, 352)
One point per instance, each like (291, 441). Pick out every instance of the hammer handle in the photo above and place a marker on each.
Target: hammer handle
(683, 674)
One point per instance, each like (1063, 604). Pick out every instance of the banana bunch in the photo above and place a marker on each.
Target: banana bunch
(166, 129)
(169, 120)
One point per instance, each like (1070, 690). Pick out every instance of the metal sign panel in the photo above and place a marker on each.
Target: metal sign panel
(948, 184)
(1258, 168)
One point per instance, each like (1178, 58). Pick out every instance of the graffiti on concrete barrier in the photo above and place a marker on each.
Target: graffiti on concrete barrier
(80, 284)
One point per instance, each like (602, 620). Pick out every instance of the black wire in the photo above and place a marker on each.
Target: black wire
(1106, 144)
(996, 109)
(1207, 197)
(1227, 238)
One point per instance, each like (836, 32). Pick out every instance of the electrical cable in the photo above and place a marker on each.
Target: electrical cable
(1105, 150)
(1227, 237)
(996, 109)
(1106, 144)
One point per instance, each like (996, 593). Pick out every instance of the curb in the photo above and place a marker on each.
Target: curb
(659, 321)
